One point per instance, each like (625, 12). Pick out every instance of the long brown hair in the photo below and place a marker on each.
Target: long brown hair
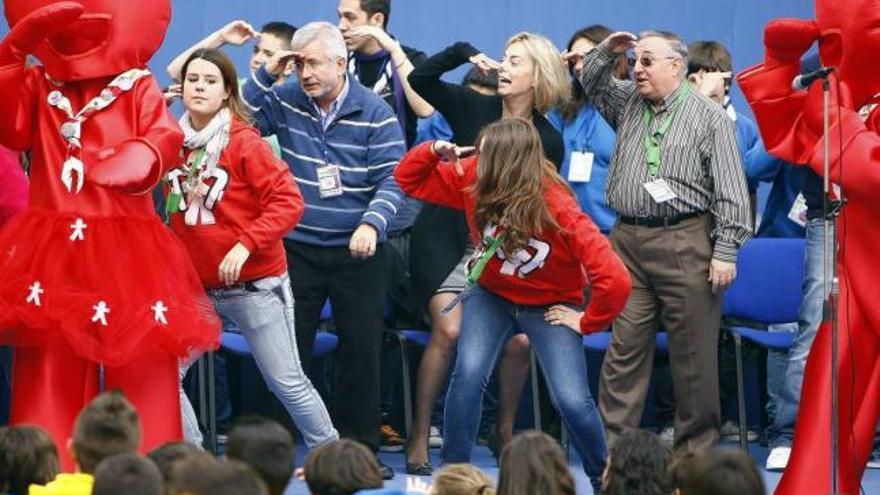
(511, 176)
(534, 463)
(230, 79)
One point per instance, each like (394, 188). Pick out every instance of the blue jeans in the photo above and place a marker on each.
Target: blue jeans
(488, 322)
(782, 429)
(265, 317)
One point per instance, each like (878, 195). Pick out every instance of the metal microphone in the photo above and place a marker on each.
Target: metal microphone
(804, 81)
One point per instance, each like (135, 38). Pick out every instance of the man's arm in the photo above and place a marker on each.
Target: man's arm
(730, 206)
(608, 94)
(402, 65)
(236, 33)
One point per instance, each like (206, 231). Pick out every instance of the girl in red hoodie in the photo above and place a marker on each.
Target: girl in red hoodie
(230, 202)
(537, 250)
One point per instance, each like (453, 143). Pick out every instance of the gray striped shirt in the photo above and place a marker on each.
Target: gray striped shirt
(699, 156)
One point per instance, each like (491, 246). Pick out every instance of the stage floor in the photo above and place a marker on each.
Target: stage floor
(483, 459)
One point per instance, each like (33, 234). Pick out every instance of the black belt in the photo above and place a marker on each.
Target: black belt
(660, 221)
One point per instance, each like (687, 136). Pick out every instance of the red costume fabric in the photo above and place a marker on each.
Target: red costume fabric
(258, 202)
(91, 275)
(555, 267)
(791, 125)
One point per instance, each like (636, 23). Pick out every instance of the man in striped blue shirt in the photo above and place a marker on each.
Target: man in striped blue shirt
(342, 143)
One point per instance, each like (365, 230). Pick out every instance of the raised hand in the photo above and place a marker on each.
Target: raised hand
(31, 30)
(452, 153)
(484, 63)
(237, 33)
(620, 42)
(385, 41)
(787, 40)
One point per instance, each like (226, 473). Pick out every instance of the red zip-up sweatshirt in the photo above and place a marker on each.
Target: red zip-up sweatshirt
(258, 204)
(554, 268)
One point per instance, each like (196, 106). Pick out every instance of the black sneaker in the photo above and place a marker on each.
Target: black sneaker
(385, 469)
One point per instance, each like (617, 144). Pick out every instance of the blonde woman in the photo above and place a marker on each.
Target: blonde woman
(462, 479)
(532, 80)
(538, 251)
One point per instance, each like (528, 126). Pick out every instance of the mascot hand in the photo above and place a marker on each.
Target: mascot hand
(786, 40)
(30, 31)
(131, 167)
(840, 96)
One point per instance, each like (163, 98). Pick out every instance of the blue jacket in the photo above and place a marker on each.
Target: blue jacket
(787, 181)
(364, 140)
(589, 132)
(433, 128)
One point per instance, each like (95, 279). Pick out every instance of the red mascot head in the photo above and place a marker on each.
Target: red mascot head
(849, 33)
(110, 37)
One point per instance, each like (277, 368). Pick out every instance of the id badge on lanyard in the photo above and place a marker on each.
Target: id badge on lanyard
(329, 181)
(658, 187)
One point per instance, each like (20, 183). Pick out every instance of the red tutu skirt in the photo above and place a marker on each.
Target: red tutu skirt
(116, 289)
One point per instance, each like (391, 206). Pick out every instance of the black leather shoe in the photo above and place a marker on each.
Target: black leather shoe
(385, 469)
(419, 468)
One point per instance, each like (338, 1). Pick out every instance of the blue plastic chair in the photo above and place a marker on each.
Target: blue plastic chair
(767, 290)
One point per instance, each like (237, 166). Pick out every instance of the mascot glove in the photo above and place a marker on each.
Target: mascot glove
(786, 40)
(33, 29)
(131, 167)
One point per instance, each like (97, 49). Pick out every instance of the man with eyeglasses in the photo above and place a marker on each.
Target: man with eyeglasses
(677, 183)
(342, 143)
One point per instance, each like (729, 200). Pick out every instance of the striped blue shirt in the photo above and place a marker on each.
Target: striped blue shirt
(363, 139)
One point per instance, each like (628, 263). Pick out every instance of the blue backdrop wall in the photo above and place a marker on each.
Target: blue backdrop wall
(431, 25)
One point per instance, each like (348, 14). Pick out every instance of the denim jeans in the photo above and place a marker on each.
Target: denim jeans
(488, 322)
(265, 318)
(782, 429)
(777, 363)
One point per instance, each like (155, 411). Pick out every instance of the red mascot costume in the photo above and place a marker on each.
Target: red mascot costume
(90, 274)
(848, 33)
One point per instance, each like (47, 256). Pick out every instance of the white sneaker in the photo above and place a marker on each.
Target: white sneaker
(778, 458)
(874, 461)
(435, 439)
(667, 436)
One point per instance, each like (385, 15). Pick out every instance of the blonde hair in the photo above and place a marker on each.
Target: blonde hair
(462, 479)
(552, 86)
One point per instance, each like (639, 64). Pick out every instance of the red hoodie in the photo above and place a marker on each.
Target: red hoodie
(554, 268)
(259, 204)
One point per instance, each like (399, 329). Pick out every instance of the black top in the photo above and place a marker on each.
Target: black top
(368, 73)
(439, 235)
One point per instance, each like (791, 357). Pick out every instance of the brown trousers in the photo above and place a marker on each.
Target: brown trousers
(669, 267)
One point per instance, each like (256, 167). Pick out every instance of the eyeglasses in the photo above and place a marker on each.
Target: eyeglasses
(647, 61)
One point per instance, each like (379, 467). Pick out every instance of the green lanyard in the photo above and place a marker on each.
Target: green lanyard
(477, 270)
(652, 141)
(172, 205)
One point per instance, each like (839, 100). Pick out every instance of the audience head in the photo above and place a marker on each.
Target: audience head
(511, 175)
(167, 455)
(342, 467)
(533, 66)
(585, 39)
(127, 474)
(274, 37)
(462, 479)
(719, 472)
(267, 447)
(27, 456)
(210, 84)
(710, 56)
(107, 426)
(661, 63)
(322, 59)
(638, 464)
(205, 475)
(356, 13)
(476, 80)
(534, 463)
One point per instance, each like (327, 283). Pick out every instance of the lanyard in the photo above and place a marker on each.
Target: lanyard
(653, 141)
(477, 270)
(172, 205)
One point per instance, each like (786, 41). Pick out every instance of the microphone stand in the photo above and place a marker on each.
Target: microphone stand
(830, 311)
